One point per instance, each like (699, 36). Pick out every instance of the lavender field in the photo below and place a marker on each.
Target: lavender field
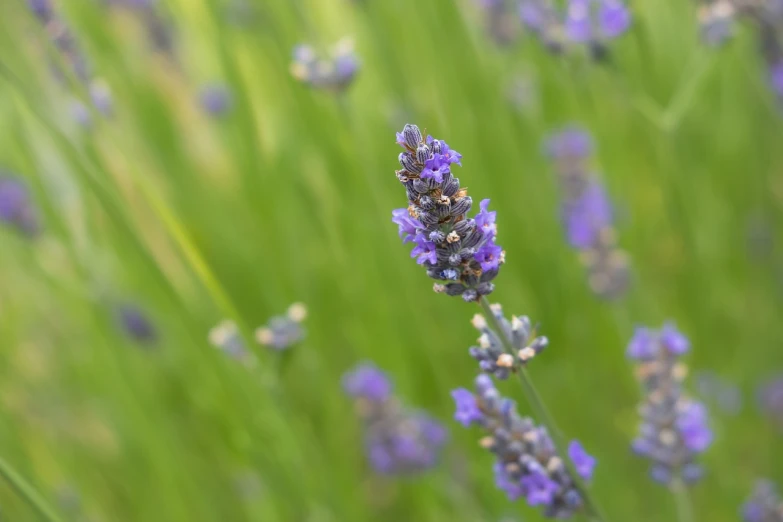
(375, 260)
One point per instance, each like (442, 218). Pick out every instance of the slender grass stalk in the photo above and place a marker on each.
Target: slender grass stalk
(536, 402)
(28, 492)
(683, 501)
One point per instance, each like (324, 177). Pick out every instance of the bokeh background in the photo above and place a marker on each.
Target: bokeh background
(287, 197)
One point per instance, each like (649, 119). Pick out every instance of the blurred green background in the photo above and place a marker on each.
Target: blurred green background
(288, 198)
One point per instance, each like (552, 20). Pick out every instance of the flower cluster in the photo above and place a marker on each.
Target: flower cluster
(283, 331)
(674, 428)
(335, 73)
(397, 441)
(500, 21)
(490, 354)
(457, 250)
(16, 207)
(770, 397)
(136, 324)
(590, 23)
(764, 505)
(226, 338)
(717, 20)
(587, 213)
(64, 41)
(526, 461)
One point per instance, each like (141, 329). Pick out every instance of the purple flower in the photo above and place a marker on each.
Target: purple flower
(16, 207)
(587, 216)
(485, 220)
(673, 340)
(692, 424)
(451, 246)
(398, 441)
(614, 18)
(672, 450)
(578, 26)
(409, 226)
(532, 14)
(136, 325)
(642, 345)
(570, 143)
(489, 256)
(215, 99)
(583, 462)
(368, 382)
(530, 469)
(539, 488)
(425, 250)
(436, 167)
(468, 411)
(334, 72)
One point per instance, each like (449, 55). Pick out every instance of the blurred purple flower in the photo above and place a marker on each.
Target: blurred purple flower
(16, 206)
(136, 324)
(215, 99)
(368, 382)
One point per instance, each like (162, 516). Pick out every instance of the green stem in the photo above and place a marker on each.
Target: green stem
(534, 399)
(683, 500)
(28, 492)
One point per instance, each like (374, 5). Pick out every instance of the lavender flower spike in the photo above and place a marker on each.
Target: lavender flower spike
(674, 428)
(457, 250)
(490, 354)
(397, 441)
(764, 505)
(526, 463)
(587, 213)
(16, 207)
(283, 331)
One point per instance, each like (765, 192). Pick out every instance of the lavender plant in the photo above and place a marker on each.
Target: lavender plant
(457, 250)
(462, 251)
(334, 72)
(764, 504)
(587, 213)
(72, 57)
(674, 428)
(281, 332)
(397, 441)
(527, 463)
(16, 206)
(584, 23)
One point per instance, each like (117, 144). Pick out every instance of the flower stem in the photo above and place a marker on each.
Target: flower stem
(544, 417)
(28, 492)
(683, 500)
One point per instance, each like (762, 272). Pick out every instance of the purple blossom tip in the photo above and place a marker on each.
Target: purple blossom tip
(583, 462)
(642, 345)
(368, 382)
(467, 411)
(674, 340)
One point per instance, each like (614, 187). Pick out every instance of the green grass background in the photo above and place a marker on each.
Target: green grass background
(288, 198)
